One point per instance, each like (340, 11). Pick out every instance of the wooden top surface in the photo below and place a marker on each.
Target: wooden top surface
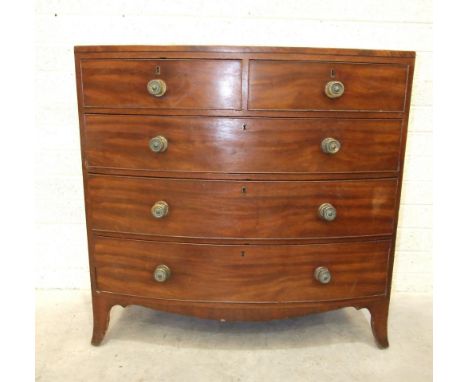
(241, 49)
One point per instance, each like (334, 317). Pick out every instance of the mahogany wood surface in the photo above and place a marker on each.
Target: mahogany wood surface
(242, 146)
(241, 49)
(292, 176)
(236, 241)
(232, 311)
(299, 85)
(246, 54)
(191, 84)
(236, 209)
(235, 189)
(245, 113)
(252, 273)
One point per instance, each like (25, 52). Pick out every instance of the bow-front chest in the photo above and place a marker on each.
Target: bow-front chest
(242, 183)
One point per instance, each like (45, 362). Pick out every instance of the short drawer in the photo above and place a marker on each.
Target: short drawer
(254, 273)
(188, 84)
(236, 209)
(223, 145)
(300, 85)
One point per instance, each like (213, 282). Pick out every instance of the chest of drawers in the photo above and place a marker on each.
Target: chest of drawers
(242, 183)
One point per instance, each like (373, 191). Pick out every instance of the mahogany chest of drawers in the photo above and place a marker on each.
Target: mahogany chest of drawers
(242, 183)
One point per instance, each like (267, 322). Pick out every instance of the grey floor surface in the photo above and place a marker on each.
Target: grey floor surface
(145, 345)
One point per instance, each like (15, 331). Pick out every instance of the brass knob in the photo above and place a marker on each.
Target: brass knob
(162, 273)
(334, 89)
(331, 145)
(322, 275)
(160, 209)
(156, 88)
(158, 144)
(327, 212)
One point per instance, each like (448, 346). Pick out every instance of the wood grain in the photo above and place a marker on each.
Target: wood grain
(242, 146)
(242, 273)
(207, 209)
(236, 311)
(292, 176)
(191, 84)
(278, 94)
(242, 49)
(299, 85)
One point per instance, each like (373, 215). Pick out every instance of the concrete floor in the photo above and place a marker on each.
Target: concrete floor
(145, 345)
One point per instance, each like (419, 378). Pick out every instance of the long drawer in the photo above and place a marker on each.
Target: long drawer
(223, 145)
(256, 273)
(188, 84)
(235, 209)
(300, 85)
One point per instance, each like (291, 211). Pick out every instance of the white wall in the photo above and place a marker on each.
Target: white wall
(61, 252)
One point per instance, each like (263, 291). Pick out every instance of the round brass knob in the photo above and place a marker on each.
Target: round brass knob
(158, 144)
(334, 89)
(322, 275)
(331, 145)
(327, 212)
(156, 88)
(162, 273)
(160, 209)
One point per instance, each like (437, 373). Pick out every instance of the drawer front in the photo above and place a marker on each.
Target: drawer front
(235, 209)
(254, 273)
(222, 145)
(190, 84)
(300, 85)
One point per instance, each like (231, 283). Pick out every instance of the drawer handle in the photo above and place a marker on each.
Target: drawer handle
(327, 212)
(158, 144)
(160, 209)
(322, 275)
(331, 145)
(162, 273)
(334, 89)
(156, 88)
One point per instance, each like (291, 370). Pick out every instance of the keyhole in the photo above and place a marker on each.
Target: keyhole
(158, 70)
(244, 126)
(332, 73)
(242, 253)
(244, 189)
